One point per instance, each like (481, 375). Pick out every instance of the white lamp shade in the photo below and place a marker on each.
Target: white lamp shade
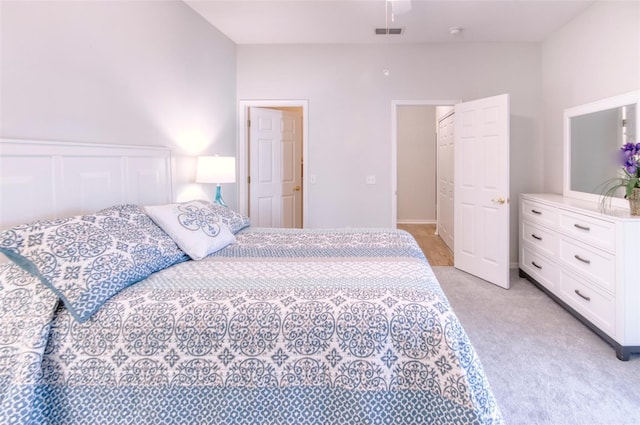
(216, 169)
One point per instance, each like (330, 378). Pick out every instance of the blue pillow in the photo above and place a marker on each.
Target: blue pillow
(87, 259)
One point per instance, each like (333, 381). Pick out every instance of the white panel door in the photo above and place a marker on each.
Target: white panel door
(446, 133)
(275, 155)
(481, 245)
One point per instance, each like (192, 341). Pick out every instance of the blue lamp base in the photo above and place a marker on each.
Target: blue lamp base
(219, 199)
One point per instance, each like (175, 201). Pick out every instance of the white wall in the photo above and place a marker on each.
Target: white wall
(416, 164)
(595, 56)
(122, 72)
(350, 112)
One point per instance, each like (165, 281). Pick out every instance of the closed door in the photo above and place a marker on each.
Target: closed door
(446, 132)
(481, 181)
(275, 164)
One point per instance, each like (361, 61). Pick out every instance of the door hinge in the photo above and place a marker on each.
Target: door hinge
(248, 179)
(248, 123)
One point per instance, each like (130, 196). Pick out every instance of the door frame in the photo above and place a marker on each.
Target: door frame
(394, 147)
(242, 150)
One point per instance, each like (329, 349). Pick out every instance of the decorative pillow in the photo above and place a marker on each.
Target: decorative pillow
(234, 220)
(135, 215)
(193, 226)
(87, 259)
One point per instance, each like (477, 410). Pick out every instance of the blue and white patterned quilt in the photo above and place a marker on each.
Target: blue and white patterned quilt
(283, 327)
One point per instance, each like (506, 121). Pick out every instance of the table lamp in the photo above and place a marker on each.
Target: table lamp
(216, 169)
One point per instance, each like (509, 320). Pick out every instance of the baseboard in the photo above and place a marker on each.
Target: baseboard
(412, 221)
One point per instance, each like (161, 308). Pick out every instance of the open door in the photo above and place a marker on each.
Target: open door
(481, 213)
(275, 164)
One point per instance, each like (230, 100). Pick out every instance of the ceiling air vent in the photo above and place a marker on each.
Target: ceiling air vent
(388, 31)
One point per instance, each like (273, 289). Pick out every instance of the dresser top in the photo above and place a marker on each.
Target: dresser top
(594, 208)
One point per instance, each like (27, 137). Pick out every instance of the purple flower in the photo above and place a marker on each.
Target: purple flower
(630, 157)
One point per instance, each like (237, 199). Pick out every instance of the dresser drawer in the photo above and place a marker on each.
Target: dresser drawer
(542, 269)
(541, 238)
(597, 307)
(539, 213)
(596, 264)
(589, 229)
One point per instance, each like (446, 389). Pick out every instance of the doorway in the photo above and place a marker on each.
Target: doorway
(481, 184)
(423, 166)
(245, 155)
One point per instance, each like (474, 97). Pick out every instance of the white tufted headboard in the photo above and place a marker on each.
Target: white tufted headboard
(41, 179)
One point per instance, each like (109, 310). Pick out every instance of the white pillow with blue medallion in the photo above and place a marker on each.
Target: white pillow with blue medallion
(234, 220)
(89, 258)
(196, 229)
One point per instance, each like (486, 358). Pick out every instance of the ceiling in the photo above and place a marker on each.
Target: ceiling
(354, 21)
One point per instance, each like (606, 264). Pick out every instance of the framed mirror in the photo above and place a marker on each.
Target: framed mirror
(593, 135)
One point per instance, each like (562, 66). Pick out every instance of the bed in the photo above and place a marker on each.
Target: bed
(105, 318)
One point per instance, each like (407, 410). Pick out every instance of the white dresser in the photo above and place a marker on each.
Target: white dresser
(587, 261)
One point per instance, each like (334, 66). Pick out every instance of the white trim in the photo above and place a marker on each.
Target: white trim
(394, 145)
(12, 145)
(445, 116)
(599, 105)
(241, 150)
(412, 221)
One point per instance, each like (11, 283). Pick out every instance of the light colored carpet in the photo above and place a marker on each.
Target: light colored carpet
(544, 366)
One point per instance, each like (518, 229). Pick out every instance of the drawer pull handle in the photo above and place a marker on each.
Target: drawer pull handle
(584, 260)
(534, 236)
(584, 297)
(536, 212)
(535, 265)
(581, 227)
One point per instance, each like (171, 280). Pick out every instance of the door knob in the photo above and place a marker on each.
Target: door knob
(297, 188)
(500, 201)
